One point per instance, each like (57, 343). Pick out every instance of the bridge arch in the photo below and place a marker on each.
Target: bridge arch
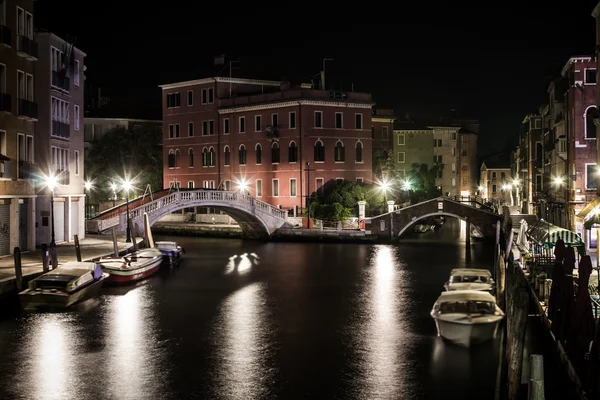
(424, 216)
(256, 218)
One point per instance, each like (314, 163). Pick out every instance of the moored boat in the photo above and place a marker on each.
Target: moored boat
(68, 284)
(470, 279)
(467, 317)
(133, 266)
(171, 252)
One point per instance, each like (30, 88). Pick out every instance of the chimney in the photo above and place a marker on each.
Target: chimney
(322, 80)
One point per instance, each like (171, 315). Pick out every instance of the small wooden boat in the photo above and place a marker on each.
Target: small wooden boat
(171, 252)
(132, 267)
(470, 279)
(467, 317)
(64, 286)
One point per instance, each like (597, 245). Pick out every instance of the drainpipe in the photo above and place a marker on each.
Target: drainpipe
(300, 156)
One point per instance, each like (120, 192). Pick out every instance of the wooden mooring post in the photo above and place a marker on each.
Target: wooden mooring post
(500, 280)
(54, 256)
(77, 248)
(45, 258)
(133, 235)
(18, 269)
(536, 377)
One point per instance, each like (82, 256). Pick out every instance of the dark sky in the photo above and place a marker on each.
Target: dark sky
(487, 62)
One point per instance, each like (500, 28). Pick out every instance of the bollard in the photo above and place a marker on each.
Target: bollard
(54, 256)
(536, 377)
(77, 248)
(45, 259)
(18, 269)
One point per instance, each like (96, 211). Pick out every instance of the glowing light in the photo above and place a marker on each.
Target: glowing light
(51, 182)
(87, 185)
(480, 188)
(113, 186)
(385, 186)
(127, 185)
(516, 181)
(558, 180)
(406, 185)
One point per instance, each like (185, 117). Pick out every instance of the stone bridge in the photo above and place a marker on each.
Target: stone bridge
(255, 217)
(392, 225)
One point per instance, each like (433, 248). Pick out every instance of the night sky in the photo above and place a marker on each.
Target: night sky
(492, 64)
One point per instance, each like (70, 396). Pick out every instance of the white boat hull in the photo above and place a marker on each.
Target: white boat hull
(469, 286)
(467, 334)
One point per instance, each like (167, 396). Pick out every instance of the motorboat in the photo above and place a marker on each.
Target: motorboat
(133, 266)
(470, 279)
(467, 317)
(171, 252)
(68, 284)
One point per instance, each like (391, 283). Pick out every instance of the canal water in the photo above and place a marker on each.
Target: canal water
(253, 320)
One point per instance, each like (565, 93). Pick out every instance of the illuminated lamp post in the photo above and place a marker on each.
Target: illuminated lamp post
(51, 183)
(127, 187)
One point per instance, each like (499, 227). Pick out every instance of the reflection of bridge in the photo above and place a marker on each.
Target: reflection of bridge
(255, 217)
(394, 224)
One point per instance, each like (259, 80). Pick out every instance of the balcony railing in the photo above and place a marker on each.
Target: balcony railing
(61, 129)
(5, 102)
(27, 48)
(5, 35)
(60, 81)
(26, 170)
(27, 109)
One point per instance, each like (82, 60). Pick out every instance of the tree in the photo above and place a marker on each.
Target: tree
(340, 200)
(422, 182)
(120, 152)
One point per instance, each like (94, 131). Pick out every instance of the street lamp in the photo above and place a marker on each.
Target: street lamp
(308, 193)
(51, 183)
(113, 186)
(127, 187)
(243, 186)
(88, 186)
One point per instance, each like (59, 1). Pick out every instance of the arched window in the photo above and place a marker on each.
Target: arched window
(171, 159)
(319, 151)
(258, 149)
(211, 157)
(359, 149)
(590, 129)
(275, 153)
(339, 155)
(177, 164)
(205, 157)
(191, 158)
(227, 155)
(242, 155)
(293, 152)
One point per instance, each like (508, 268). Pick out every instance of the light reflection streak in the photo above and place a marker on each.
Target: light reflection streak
(243, 373)
(51, 358)
(386, 337)
(132, 347)
(242, 263)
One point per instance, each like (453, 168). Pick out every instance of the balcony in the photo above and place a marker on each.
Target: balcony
(27, 48)
(61, 129)
(27, 109)
(26, 170)
(5, 103)
(5, 36)
(60, 81)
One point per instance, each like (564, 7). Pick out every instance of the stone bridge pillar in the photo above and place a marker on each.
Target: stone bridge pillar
(390, 206)
(361, 209)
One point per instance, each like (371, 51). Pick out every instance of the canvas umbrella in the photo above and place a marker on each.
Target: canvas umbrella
(566, 299)
(581, 331)
(557, 277)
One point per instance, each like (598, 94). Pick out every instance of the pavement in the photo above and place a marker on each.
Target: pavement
(92, 247)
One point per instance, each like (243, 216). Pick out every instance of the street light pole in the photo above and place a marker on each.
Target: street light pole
(128, 239)
(308, 193)
(52, 241)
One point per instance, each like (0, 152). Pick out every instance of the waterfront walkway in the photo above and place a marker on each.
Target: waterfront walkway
(92, 247)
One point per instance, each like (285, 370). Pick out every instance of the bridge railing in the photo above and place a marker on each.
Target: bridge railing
(201, 195)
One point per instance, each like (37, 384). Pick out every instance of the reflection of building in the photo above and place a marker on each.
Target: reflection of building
(18, 111)
(382, 127)
(452, 145)
(59, 136)
(494, 180)
(258, 135)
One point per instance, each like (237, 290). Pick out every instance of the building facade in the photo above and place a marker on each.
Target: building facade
(382, 128)
(18, 113)
(59, 137)
(275, 141)
(495, 183)
(94, 128)
(451, 146)
(529, 168)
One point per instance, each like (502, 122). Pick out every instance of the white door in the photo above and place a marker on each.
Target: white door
(59, 221)
(74, 219)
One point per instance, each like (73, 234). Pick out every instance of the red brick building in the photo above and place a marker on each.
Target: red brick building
(256, 135)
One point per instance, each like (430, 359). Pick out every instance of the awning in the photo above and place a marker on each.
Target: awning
(546, 234)
(588, 209)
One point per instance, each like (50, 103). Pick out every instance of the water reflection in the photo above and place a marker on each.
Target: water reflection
(242, 263)
(50, 357)
(244, 345)
(134, 352)
(386, 336)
